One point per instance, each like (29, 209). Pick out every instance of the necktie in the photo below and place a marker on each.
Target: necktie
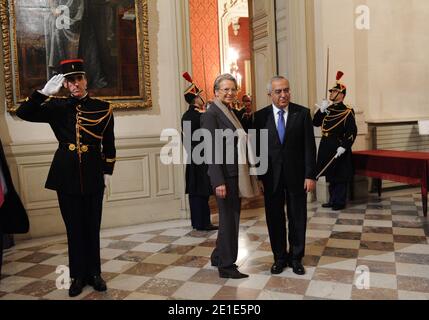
(281, 128)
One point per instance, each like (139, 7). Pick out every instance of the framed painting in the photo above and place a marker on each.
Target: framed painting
(111, 36)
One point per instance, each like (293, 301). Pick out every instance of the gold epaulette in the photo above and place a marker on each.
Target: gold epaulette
(351, 110)
(49, 98)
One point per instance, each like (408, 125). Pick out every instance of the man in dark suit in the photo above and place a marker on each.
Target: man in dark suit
(197, 181)
(81, 166)
(290, 176)
(13, 217)
(229, 179)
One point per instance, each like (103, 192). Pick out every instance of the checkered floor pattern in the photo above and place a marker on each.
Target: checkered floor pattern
(387, 237)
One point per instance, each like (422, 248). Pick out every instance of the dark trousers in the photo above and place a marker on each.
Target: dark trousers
(226, 251)
(82, 217)
(1, 252)
(200, 211)
(296, 204)
(338, 193)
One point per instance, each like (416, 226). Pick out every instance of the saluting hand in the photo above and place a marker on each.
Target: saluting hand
(324, 106)
(53, 86)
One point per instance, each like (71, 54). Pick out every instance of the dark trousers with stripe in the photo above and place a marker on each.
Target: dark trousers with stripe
(82, 217)
(338, 193)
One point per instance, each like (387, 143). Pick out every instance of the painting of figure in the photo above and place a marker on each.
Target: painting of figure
(109, 35)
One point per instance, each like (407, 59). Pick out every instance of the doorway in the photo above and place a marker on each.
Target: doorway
(220, 33)
(221, 42)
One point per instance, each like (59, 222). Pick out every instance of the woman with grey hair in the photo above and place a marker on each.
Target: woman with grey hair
(229, 177)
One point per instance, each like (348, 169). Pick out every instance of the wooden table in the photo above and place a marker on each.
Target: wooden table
(400, 166)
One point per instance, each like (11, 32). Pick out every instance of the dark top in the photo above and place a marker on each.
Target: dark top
(338, 130)
(13, 217)
(197, 179)
(84, 130)
(295, 159)
(223, 165)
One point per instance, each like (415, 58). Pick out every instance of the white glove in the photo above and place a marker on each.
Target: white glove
(107, 178)
(340, 152)
(53, 86)
(324, 106)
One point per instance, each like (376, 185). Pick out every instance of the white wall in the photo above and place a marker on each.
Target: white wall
(398, 45)
(334, 27)
(386, 67)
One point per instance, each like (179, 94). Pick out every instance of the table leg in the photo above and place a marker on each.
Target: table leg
(379, 185)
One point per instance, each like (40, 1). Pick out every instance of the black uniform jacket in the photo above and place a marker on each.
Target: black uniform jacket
(13, 217)
(84, 130)
(197, 179)
(338, 130)
(296, 157)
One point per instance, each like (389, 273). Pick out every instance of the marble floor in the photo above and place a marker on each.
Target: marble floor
(376, 249)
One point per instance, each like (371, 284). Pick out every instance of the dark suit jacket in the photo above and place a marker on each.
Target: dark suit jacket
(211, 120)
(13, 217)
(296, 157)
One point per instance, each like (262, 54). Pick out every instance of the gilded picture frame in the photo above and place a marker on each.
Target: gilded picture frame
(111, 36)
